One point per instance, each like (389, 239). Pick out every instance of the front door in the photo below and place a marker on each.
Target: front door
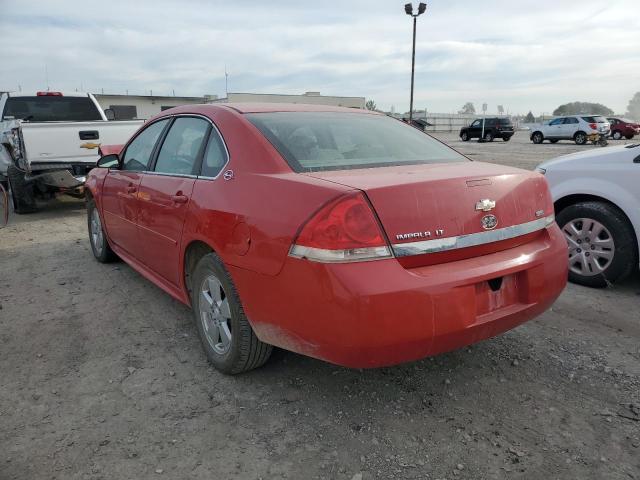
(555, 128)
(121, 186)
(165, 192)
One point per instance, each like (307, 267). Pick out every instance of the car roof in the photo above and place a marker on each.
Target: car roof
(33, 94)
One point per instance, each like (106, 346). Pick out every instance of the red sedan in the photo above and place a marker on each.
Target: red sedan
(340, 234)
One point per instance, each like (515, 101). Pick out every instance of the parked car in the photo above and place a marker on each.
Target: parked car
(579, 128)
(344, 235)
(622, 127)
(492, 128)
(596, 198)
(49, 141)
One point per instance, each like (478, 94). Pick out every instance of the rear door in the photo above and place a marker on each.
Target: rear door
(165, 192)
(120, 189)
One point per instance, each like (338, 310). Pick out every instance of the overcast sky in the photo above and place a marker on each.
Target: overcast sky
(525, 55)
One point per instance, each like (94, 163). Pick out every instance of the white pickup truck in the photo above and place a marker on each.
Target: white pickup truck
(49, 141)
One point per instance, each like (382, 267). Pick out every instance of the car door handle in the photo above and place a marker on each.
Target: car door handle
(179, 198)
(131, 189)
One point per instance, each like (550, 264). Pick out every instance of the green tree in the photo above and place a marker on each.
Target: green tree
(468, 108)
(370, 105)
(633, 109)
(529, 118)
(578, 108)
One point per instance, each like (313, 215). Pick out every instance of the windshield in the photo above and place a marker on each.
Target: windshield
(595, 119)
(311, 141)
(48, 108)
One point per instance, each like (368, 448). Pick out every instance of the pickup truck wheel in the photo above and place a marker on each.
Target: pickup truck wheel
(506, 139)
(225, 332)
(602, 246)
(464, 136)
(537, 137)
(21, 191)
(488, 137)
(580, 138)
(99, 244)
(617, 135)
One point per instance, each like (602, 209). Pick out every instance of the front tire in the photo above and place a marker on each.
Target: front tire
(488, 137)
(617, 135)
(22, 193)
(464, 136)
(225, 332)
(99, 244)
(580, 138)
(537, 137)
(602, 246)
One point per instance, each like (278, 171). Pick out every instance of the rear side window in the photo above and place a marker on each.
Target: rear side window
(312, 141)
(504, 121)
(570, 120)
(595, 119)
(51, 109)
(140, 149)
(215, 157)
(181, 147)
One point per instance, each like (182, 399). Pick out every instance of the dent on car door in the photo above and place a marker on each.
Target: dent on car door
(120, 188)
(165, 192)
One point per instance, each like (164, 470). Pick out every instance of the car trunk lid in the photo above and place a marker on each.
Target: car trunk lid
(443, 212)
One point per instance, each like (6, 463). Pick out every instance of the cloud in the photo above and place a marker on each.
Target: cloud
(524, 55)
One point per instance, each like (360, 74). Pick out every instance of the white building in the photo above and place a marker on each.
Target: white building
(127, 107)
(313, 98)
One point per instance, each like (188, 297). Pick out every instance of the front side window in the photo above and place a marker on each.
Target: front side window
(181, 147)
(557, 121)
(139, 151)
(476, 123)
(313, 141)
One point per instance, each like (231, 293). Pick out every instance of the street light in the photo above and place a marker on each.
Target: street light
(408, 9)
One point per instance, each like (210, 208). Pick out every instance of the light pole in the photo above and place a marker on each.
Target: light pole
(408, 9)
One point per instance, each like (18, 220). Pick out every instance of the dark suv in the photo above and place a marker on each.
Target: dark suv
(493, 128)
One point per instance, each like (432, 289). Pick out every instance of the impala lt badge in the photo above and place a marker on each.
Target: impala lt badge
(426, 234)
(485, 205)
(489, 222)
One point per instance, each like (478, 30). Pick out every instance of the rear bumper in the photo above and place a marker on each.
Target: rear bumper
(372, 314)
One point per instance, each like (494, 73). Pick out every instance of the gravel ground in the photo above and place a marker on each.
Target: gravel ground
(103, 378)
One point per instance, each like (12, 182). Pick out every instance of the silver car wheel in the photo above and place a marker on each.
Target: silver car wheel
(96, 232)
(215, 315)
(591, 246)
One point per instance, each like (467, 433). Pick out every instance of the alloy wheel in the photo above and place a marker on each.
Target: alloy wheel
(96, 232)
(215, 315)
(591, 246)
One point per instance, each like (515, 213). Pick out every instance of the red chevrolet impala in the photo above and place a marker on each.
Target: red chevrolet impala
(340, 234)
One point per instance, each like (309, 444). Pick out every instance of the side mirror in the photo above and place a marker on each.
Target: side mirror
(110, 114)
(109, 161)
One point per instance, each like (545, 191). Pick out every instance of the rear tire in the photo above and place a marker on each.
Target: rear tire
(553, 141)
(21, 191)
(629, 137)
(506, 139)
(226, 335)
(537, 137)
(99, 243)
(617, 135)
(587, 267)
(580, 138)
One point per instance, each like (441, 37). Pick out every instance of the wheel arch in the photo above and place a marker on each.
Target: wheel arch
(193, 252)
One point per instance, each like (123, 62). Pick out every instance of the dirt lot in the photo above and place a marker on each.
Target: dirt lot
(103, 378)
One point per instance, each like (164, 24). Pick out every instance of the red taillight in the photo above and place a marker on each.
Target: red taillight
(593, 126)
(49, 94)
(343, 230)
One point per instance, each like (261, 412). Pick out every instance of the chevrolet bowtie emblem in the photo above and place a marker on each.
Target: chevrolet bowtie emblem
(485, 205)
(90, 145)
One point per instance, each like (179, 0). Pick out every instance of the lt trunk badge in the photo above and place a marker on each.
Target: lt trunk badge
(489, 222)
(485, 205)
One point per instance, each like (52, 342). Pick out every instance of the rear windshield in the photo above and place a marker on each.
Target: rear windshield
(595, 119)
(312, 141)
(51, 109)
